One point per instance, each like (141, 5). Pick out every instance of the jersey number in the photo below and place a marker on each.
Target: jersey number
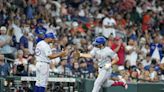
(37, 52)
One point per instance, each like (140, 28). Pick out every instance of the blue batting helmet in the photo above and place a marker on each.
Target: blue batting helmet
(50, 35)
(99, 40)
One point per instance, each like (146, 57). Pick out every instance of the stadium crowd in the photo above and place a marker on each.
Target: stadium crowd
(134, 29)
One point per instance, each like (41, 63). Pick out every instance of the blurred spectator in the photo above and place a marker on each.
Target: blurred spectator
(161, 27)
(127, 5)
(83, 68)
(17, 32)
(140, 68)
(55, 8)
(20, 64)
(31, 43)
(4, 67)
(153, 74)
(20, 59)
(110, 40)
(123, 73)
(146, 20)
(145, 49)
(24, 40)
(134, 73)
(132, 52)
(40, 30)
(145, 75)
(119, 47)
(147, 61)
(29, 10)
(135, 17)
(5, 44)
(76, 3)
(162, 68)
(76, 69)
(121, 23)
(31, 67)
(156, 49)
(63, 9)
(127, 65)
(91, 67)
(76, 29)
(98, 27)
(62, 69)
(109, 24)
(53, 66)
(20, 70)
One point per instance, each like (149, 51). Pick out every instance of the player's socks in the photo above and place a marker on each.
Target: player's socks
(41, 89)
(118, 83)
(36, 89)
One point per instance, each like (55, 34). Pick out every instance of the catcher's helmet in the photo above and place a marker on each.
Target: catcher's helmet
(99, 40)
(50, 35)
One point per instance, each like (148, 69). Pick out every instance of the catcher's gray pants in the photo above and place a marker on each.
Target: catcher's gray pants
(103, 79)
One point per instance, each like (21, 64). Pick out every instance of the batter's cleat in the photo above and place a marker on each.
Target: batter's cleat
(125, 85)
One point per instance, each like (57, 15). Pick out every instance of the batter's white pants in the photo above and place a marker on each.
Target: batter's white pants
(103, 79)
(42, 74)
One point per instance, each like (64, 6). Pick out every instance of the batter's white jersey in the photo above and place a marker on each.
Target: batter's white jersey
(103, 56)
(42, 51)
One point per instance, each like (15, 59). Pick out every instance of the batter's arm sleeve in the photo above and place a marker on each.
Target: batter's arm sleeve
(89, 55)
(49, 54)
(114, 60)
(86, 55)
(113, 56)
(55, 55)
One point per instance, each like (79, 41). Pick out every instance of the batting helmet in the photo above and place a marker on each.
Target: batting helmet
(50, 35)
(99, 40)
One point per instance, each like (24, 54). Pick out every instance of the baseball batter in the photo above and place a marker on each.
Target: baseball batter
(44, 55)
(106, 58)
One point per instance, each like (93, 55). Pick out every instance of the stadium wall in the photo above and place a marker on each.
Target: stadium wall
(133, 87)
(86, 85)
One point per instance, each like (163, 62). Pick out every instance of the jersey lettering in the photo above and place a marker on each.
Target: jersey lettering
(37, 51)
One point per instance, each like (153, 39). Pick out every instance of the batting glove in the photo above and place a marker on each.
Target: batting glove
(107, 66)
